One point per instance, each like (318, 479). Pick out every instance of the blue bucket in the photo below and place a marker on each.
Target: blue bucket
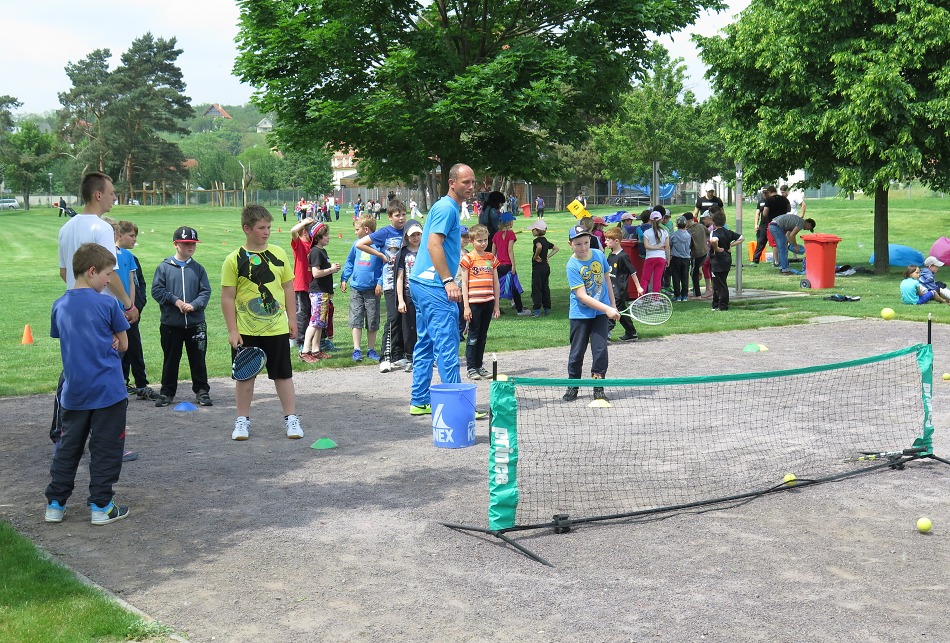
(453, 415)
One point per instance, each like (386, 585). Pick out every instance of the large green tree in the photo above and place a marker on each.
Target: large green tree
(411, 85)
(856, 92)
(659, 122)
(26, 156)
(118, 121)
(7, 105)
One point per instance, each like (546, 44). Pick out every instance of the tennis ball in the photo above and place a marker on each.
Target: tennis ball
(946, 376)
(924, 525)
(888, 313)
(789, 479)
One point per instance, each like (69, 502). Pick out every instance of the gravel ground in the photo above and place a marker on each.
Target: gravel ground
(269, 540)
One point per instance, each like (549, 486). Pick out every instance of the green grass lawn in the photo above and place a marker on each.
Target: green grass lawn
(29, 279)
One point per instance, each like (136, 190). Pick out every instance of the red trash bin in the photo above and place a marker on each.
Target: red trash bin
(526, 209)
(820, 255)
(630, 247)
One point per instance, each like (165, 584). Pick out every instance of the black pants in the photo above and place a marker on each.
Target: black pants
(629, 330)
(392, 332)
(303, 314)
(504, 269)
(194, 339)
(541, 286)
(134, 359)
(720, 298)
(696, 271)
(679, 271)
(105, 430)
(408, 324)
(583, 332)
(761, 242)
(478, 334)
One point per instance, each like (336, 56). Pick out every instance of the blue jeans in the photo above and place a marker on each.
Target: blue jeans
(437, 331)
(781, 246)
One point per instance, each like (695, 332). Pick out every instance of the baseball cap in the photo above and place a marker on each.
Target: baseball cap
(185, 234)
(540, 224)
(655, 216)
(578, 231)
(316, 228)
(626, 216)
(506, 216)
(463, 230)
(932, 261)
(600, 220)
(706, 215)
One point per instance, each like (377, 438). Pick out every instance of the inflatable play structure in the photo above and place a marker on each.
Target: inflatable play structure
(904, 255)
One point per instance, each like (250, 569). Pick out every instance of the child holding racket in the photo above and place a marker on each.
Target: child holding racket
(721, 242)
(259, 308)
(621, 270)
(592, 306)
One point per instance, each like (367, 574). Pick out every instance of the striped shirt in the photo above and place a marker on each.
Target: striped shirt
(481, 283)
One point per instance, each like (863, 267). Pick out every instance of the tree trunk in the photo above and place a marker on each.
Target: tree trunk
(559, 198)
(881, 254)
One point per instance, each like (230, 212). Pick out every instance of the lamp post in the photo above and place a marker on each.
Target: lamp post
(50, 194)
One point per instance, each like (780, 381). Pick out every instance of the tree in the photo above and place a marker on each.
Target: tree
(309, 171)
(26, 158)
(118, 120)
(658, 122)
(853, 92)
(7, 105)
(410, 86)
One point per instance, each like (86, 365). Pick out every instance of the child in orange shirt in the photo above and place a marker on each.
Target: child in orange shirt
(480, 291)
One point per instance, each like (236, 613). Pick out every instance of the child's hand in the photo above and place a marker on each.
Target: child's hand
(612, 313)
(335, 267)
(379, 290)
(467, 314)
(496, 312)
(537, 259)
(639, 291)
(401, 307)
(115, 342)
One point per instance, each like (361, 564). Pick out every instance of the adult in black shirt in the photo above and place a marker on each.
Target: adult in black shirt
(775, 206)
(706, 202)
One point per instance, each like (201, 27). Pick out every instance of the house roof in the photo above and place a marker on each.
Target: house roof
(216, 110)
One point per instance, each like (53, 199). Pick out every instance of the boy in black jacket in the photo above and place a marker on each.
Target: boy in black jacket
(621, 268)
(182, 290)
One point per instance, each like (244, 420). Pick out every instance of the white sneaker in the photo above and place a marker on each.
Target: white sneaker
(292, 422)
(385, 366)
(242, 427)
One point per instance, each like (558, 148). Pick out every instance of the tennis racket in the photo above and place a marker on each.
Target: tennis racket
(652, 309)
(870, 456)
(249, 361)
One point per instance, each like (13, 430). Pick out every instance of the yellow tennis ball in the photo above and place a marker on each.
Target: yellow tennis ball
(924, 525)
(888, 313)
(946, 377)
(789, 479)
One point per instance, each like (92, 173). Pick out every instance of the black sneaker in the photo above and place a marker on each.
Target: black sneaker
(571, 394)
(163, 400)
(110, 513)
(204, 399)
(146, 393)
(599, 393)
(630, 338)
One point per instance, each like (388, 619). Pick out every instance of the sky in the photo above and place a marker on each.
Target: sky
(41, 37)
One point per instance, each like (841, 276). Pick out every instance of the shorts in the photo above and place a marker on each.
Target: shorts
(319, 309)
(277, 350)
(364, 309)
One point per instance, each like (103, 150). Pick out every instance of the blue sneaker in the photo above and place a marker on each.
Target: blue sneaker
(55, 512)
(357, 355)
(107, 514)
(372, 354)
(327, 346)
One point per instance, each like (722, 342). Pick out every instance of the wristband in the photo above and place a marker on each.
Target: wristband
(447, 280)
(130, 307)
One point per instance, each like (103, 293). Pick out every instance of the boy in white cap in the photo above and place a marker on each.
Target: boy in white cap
(927, 272)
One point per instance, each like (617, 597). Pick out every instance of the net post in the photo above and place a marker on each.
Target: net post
(930, 323)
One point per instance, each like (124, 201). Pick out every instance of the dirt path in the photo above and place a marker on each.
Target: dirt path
(269, 540)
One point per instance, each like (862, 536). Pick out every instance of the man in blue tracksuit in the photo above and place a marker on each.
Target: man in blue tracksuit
(435, 292)
(182, 290)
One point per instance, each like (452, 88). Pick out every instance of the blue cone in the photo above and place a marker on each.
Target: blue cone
(185, 406)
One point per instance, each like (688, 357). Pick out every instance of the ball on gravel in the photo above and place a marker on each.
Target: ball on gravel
(924, 525)
(946, 377)
(789, 479)
(888, 313)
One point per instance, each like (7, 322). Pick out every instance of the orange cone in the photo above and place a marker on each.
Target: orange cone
(27, 335)
(278, 230)
(341, 235)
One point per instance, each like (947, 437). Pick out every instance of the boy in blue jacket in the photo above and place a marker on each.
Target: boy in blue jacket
(182, 290)
(364, 273)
